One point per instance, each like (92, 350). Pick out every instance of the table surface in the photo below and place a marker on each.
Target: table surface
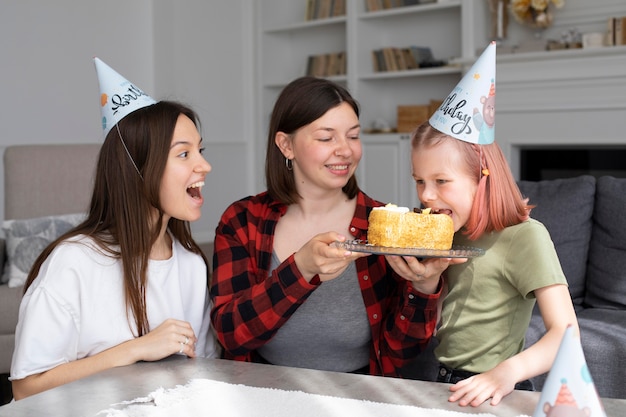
(90, 395)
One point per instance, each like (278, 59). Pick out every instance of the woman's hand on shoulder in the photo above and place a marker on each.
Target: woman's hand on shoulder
(423, 275)
(170, 337)
(320, 257)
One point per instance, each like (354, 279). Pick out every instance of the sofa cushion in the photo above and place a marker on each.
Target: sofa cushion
(565, 207)
(606, 282)
(26, 239)
(603, 339)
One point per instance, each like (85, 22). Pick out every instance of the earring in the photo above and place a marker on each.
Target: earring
(289, 164)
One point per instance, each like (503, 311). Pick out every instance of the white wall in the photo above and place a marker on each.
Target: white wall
(189, 50)
(203, 56)
(202, 52)
(48, 81)
(562, 98)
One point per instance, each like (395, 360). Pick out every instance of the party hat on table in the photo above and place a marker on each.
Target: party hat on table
(468, 113)
(569, 389)
(118, 96)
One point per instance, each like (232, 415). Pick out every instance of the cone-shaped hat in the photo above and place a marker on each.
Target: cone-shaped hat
(118, 96)
(569, 389)
(468, 113)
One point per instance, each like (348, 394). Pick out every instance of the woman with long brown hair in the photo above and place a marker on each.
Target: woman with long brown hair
(129, 283)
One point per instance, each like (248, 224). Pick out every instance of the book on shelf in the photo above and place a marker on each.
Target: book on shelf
(390, 59)
(339, 8)
(620, 30)
(421, 54)
(399, 58)
(342, 63)
(378, 61)
(374, 5)
(616, 31)
(409, 59)
(402, 59)
(326, 65)
(309, 11)
(323, 9)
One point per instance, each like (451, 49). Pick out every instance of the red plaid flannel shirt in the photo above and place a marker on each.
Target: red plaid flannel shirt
(250, 305)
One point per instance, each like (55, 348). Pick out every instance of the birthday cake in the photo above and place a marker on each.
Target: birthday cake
(397, 227)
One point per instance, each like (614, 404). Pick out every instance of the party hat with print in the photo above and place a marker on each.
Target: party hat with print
(118, 96)
(468, 113)
(569, 389)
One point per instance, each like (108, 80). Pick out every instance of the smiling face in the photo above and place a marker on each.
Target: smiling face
(442, 180)
(326, 152)
(184, 174)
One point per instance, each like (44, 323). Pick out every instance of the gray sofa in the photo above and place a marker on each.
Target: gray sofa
(39, 181)
(586, 219)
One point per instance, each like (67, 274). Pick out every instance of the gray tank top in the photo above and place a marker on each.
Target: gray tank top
(329, 331)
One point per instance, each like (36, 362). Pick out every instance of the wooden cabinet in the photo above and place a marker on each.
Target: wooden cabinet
(385, 169)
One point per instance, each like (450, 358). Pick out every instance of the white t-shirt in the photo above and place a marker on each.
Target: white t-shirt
(75, 307)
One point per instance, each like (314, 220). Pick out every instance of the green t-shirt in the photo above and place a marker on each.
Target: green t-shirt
(490, 298)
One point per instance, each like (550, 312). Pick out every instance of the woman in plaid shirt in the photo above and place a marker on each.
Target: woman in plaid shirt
(282, 292)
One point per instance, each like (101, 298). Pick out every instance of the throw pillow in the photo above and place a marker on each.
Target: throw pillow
(565, 207)
(26, 239)
(606, 281)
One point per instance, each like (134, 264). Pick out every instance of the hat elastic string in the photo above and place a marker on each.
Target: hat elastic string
(127, 151)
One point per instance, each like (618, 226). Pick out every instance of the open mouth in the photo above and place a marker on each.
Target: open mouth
(434, 211)
(194, 190)
(341, 167)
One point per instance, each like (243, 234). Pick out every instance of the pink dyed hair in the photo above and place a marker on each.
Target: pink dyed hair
(498, 202)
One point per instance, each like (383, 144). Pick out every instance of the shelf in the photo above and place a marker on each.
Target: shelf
(285, 42)
(419, 8)
(341, 79)
(422, 72)
(308, 24)
(562, 54)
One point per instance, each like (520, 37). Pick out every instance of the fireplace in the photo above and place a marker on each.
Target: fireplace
(540, 163)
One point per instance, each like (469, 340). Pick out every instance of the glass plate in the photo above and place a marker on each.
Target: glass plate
(455, 252)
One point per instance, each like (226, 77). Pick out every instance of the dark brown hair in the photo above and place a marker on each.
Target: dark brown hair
(128, 178)
(301, 102)
(498, 202)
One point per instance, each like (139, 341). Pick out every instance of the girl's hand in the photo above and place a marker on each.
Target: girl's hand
(320, 257)
(170, 337)
(423, 275)
(495, 384)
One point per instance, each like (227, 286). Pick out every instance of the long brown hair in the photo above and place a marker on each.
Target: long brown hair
(301, 102)
(498, 202)
(125, 195)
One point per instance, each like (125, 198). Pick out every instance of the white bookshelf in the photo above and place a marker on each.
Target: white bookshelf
(455, 30)
(286, 40)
